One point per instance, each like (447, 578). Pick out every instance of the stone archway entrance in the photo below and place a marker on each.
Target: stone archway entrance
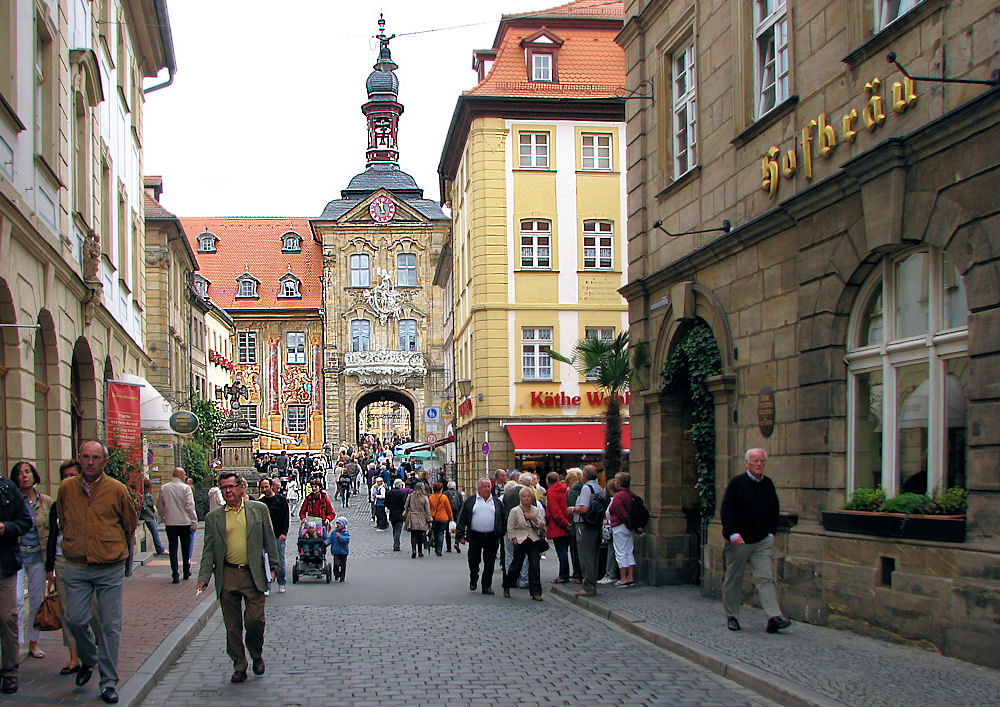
(384, 413)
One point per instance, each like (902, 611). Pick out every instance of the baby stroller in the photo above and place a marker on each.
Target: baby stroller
(311, 558)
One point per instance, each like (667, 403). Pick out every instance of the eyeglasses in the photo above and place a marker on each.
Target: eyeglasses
(229, 487)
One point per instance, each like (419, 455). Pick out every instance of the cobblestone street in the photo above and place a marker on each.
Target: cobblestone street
(404, 631)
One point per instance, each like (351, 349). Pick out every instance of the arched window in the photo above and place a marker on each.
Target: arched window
(291, 242)
(247, 285)
(206, 242)
(289, 287)
(908, 377)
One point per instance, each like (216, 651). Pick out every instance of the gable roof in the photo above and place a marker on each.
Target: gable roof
(253, 244)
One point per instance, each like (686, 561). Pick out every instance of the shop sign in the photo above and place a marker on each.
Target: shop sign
(184, 422)
(819, 137)
(540, 398)
(465, 407)
(765, 411)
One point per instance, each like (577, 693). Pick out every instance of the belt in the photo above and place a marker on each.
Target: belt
(29, 550)
(236, 566)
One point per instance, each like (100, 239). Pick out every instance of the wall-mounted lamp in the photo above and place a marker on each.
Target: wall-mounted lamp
(725, 228)
(993, 80)
(464, 387)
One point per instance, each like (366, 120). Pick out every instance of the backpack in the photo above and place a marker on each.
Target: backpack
(638, 514)
(594, 515)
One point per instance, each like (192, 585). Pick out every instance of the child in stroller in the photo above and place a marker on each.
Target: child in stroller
(311, 560)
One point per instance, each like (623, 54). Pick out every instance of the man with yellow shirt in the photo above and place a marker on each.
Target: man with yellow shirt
(237, 538)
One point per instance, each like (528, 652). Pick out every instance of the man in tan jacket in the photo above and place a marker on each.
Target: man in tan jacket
(98, 518)
(176, 507)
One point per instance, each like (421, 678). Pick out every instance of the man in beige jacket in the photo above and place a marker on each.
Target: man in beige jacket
(176, 507)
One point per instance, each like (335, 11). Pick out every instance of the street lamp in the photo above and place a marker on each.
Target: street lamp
(464, 387)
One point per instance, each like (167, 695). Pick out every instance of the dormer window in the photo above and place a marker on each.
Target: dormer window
(201, 285)
(206, 242)
(541, 51)
(291, 242)
(288, 287)
(247, 286)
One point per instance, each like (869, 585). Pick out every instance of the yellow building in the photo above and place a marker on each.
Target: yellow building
(533, 169)
(72, 286)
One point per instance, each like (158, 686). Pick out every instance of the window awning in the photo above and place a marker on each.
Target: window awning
(562, 437)
(154, 410)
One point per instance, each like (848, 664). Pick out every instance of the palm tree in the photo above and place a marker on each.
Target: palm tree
(606, 363)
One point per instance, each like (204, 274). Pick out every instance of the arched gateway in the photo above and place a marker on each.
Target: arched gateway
(384, 413)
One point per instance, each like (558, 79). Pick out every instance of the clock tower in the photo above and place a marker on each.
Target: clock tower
(382, 314)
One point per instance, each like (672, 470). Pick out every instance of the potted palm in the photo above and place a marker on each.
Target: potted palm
(908, 515)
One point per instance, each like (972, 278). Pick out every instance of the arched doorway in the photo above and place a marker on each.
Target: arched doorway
(46, 374)
(83, 394)
(384, 413)
(8, 359)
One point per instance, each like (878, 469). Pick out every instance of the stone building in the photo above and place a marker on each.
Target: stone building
(72, 288)
(265, 273)
(381, 311)
(533, 168)
(853, 301)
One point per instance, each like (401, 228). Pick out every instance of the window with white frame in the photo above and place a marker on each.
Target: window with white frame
(360, 273)
(291, 242)
(598, 237)
(201, 284)
(295, 347)
(770, 31)
(533, 150)
(541, 67)
(246, 348)
(536, 364)
(249, 415)
(206, 242)
(888, 11)
(406, 270)
(600, 333)
(536, 244)
(595, 152)
(289, 287)
(297, 419)
(684, 110)
(247, 287)
(909, 377)
(361, 335)
(407, 334)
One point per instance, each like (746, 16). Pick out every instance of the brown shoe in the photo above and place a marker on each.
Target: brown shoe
(585, 593)
(239, 676)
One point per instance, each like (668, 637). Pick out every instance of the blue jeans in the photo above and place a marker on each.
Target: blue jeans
(440, 527)
(562, 552)
(281, 559)
(155, 532)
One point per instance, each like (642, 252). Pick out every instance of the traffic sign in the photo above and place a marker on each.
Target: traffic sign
(432, 413)
(431, 438)
(486, 448)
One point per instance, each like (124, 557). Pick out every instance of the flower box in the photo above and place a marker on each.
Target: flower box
(949, 529)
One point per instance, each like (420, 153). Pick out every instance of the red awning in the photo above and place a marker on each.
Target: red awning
(562, 437)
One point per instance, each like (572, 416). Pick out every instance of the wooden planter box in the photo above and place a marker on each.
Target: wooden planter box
(949, 529)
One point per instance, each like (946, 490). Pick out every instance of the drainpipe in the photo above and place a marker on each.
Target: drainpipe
(167, 40)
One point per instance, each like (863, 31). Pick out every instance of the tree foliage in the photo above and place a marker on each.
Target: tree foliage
(614, 369)
(694, 358)
(196, 452)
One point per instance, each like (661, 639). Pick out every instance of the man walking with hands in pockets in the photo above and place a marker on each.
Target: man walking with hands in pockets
(239, 540)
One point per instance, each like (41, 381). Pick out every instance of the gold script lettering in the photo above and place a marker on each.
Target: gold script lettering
(789, 163)
(848, 120)
(827, 136)
(873, 113)
(904, 95)
(769, 167)
(807, 154)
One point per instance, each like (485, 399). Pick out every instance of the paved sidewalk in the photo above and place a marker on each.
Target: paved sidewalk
(160, 618)
(803, 665)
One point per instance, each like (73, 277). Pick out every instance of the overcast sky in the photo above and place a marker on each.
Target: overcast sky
(264, 115)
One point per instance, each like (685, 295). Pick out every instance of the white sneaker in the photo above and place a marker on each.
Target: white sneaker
(543, 557)
(281, 589)
(267, 593)
(606, 580)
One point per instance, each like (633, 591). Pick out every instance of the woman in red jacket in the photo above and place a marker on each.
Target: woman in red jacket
(557, 523)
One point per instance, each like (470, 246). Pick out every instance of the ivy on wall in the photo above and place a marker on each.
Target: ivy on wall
(694, 358)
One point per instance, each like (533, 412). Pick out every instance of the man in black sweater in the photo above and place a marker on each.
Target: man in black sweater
(749, 520)
(277, 507)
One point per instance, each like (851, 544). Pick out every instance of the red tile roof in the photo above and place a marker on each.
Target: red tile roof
(253, 244)
(589, 63)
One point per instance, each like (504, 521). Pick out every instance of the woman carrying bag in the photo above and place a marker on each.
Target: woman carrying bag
(417, 512)
(526, 528)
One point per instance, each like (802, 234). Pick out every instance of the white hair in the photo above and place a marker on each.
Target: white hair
(746, 457)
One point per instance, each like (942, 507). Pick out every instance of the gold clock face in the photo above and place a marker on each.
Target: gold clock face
(382, 209)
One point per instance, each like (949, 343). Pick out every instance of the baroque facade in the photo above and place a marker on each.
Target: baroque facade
(72, 265)
(829, 217)
(382, 313)
(533, 169)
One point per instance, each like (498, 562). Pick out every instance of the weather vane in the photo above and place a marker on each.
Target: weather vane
(381, 31)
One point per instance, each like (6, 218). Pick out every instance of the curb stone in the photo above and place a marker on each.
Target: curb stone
(749, 676)
(135, 690)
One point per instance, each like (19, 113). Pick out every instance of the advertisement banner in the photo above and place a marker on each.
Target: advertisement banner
(124, 427)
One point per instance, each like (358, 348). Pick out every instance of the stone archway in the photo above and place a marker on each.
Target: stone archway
(9, 359)
(47, 399)
(384, 396)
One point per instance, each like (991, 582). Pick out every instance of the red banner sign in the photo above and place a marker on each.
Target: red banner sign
(123, 426)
